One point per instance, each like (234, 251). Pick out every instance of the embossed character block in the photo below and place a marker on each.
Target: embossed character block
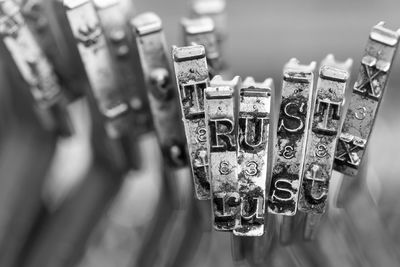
(35, 68)
(201, 31)
(220, 119)
(192, 79)
(366, 98)
(98, 63)
(322, 138)
(160, 87)
(290, 143)
(253, 139)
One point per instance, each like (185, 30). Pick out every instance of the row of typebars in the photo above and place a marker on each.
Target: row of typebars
(244, 157)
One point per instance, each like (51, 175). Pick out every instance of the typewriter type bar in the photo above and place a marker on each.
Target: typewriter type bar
(48, 22)
(98, 63)
(366, 98)
(322, 137)
(220, 119)
(215, 9)
(160, 87)
(201, 31)
(253, 140)
(35, 68)
(192, 78)
(114, 18)
(290, 144)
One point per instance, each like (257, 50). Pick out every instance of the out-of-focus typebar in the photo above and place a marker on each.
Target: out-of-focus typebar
(114, 17)
(46, 19)
(366, 98)
(160, 87)
(290, 145)
(221, 135)
(253, 140)
(214, 9)
(192, 79)
(201, 31)
(325, 122)
(98, 64)
(35, 68)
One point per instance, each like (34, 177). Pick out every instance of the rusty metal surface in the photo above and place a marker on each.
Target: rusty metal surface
(290, 144)
(192, 79)
(221, 141)
(253, 139)
(366, 98)
(327, 111)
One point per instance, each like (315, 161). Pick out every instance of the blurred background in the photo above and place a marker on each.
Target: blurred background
(63, 205)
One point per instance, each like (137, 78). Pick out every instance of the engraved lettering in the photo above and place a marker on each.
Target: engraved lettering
(225, 208)
(222, 136)
(291, 121)
(321, 151)
(254, 132)
(361, 113)
(312, 189)
(252, 209)
(283, 190)
(348, 149)
(251, 168)
(192, 95)
(371, 86)
(201, 134)
(288, 152)
(225, 168)
(326, 111)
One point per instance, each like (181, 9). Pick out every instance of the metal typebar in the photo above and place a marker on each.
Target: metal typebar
(327, 112)
(35, 69)
(366, 98)
(192, 79)
(253, 139)
(201, 31)
(221, 141)
(291, 139)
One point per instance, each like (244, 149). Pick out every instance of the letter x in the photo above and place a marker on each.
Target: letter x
(9, 23)
(350, 152)
(374, 90)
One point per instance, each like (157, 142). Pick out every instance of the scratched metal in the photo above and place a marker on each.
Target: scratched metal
(35, 68)
(366, 98)
(114, 16)
(192, 79)
(327, 112)
(201, 31)
(221, 135)
(253, 140)
(160, 87)
(290, 144)
(98, 63)
(235, 84)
